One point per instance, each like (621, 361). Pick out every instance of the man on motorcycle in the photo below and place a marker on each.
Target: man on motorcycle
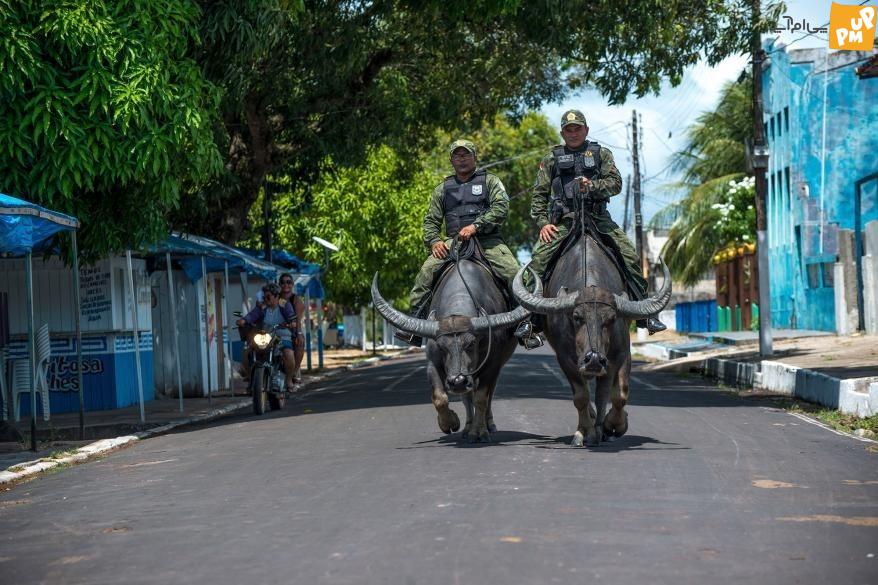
(274, 310)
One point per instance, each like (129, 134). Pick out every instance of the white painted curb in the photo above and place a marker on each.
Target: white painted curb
(28, 468)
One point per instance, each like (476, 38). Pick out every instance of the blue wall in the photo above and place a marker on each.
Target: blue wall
(817, 153)
(108, 372)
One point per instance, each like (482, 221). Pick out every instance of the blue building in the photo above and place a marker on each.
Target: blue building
(821, 124)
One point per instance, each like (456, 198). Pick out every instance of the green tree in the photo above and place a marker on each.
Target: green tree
(102, 113)
(373, 212)
(315, 79)
(717, 208)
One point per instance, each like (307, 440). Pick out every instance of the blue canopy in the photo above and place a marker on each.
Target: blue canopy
(27, 227)
(189, 250)
(307, 275)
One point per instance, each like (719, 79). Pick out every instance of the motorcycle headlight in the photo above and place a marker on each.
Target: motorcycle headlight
(261, 340)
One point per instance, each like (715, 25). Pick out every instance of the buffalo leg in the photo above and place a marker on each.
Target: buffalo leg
(616, 422)
(470, 412)
(448, 419)
(489, 416)
(479, 430)
(585, 434)
(603, 386)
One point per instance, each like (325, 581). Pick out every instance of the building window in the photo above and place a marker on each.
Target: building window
(786, 119)
(771, 128)
(828, 274)
(778, 124)
(813, 275)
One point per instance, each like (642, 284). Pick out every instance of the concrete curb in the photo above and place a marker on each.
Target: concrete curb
(856, 396)
(30, 468)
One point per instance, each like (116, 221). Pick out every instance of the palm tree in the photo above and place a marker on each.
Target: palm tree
(713, 157)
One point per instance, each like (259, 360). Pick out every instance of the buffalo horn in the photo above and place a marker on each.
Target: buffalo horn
(649, 306)
(403, 322)
(535, 302)
(504, 319)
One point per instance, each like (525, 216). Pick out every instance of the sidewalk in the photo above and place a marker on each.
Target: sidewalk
(107, 430)
(839, 372)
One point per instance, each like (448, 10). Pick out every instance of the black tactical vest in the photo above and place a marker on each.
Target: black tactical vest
(568, 166)
(464, 202)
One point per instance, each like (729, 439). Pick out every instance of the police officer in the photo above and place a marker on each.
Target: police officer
(583, 169)
(470, 203)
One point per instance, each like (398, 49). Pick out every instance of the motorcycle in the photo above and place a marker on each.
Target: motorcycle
(266, 368)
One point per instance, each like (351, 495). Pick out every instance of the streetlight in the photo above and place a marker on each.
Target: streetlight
(327, 248)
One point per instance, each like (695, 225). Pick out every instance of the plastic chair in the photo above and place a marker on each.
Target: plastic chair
(21, 379)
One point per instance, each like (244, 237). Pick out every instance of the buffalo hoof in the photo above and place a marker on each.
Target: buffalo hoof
(449, 423)
(482, 437)
(492, 427)
(590, 439)
(616, 425)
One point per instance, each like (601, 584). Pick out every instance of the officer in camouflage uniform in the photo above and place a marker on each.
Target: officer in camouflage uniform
(470, 203)
(552, 207)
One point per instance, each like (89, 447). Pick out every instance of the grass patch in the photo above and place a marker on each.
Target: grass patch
(836, 419)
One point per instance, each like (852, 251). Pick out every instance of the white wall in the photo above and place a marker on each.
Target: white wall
(103, 294)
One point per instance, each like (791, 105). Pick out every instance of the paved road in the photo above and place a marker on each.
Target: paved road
(355, 484)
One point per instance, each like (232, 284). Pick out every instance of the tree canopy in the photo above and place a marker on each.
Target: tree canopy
(315, 79)
(103, 114)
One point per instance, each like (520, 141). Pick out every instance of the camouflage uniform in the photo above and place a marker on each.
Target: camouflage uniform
(487, 231)
(608, 184)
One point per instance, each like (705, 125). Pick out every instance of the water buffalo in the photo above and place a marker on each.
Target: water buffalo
(466, 347)
(588, 329)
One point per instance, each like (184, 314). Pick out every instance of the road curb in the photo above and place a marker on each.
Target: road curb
(31, 468)
(856, 396)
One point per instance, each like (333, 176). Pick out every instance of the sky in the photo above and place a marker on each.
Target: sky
(666, 116)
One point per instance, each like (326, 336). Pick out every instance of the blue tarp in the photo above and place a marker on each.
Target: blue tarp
(189, 250)
(306, 274)
(27, 227)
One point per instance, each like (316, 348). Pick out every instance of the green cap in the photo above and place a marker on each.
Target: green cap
(468, 145)
(573, 117)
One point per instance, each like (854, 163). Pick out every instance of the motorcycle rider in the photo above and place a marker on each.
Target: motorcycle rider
(274, 310)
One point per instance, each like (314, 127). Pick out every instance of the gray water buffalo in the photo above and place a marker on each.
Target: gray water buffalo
(466, 347)
(587, 320)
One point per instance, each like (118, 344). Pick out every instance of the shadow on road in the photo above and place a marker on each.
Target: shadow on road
(526, 376)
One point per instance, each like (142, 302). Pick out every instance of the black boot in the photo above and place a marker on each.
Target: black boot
(419, 312)
(651, 324)
(409, 338)
(527, 335)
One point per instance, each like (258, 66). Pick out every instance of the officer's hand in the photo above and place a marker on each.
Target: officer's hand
(585, 184)
(548, 233)
(240, 322)
(467, 232)
(440, 250)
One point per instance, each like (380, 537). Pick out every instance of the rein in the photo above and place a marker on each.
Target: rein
(456, 257)
(585, 222)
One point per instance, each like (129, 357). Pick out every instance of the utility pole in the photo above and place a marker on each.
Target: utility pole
(627, 197)
(638, 217)
(760, 163)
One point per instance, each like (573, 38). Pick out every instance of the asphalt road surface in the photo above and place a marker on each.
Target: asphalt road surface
(354, 483)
